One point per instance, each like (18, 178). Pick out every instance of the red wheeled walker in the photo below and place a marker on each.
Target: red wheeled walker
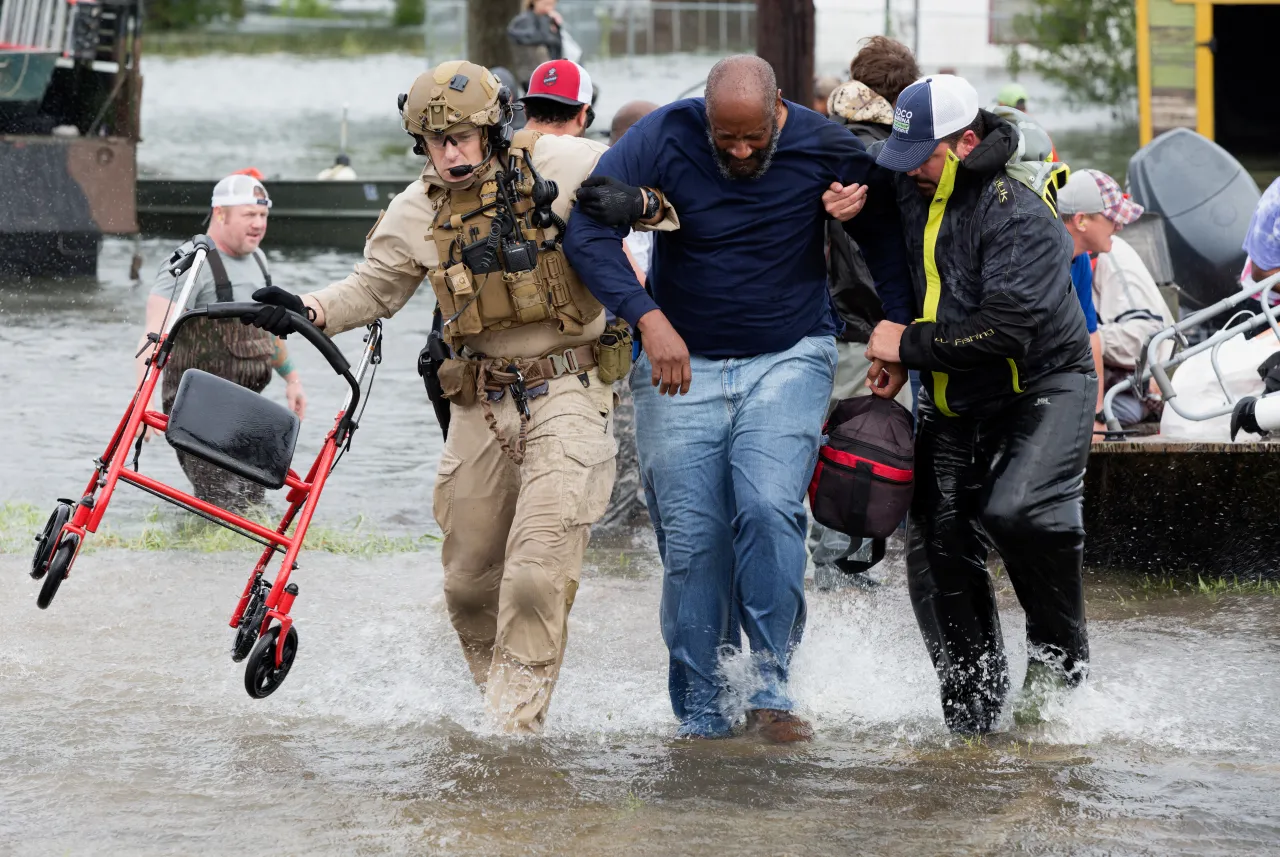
(242, 432)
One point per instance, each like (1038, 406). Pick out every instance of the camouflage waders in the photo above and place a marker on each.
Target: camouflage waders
(231, 350)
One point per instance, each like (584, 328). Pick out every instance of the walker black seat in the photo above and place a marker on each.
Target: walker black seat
(233, 428)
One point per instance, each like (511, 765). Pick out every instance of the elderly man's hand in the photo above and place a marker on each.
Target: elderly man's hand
(885, 341)
(668, 355)
(844, 202)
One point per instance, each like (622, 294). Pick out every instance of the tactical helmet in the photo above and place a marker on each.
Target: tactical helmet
(452, 93)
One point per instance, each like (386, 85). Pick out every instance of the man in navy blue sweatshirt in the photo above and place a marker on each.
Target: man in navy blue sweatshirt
(740, 325)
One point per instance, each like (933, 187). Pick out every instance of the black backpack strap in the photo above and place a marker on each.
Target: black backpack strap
(262, 266)
(221, 282)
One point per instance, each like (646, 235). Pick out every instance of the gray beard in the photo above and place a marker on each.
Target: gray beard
(766, 158)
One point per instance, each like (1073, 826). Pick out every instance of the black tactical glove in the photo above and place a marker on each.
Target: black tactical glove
(609, 201)
(274, 317)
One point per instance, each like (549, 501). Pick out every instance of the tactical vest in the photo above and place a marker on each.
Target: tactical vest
(238, 352)
(472, 303)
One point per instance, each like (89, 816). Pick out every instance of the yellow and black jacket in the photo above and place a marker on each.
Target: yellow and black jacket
(991, 269)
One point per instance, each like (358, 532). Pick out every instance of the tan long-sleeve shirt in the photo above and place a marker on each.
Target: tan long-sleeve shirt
(400, 252)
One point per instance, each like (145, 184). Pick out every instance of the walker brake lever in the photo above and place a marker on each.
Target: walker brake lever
(151, 338)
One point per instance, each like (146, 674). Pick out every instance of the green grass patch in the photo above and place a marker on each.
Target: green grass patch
(19, 522)
(1148, 587)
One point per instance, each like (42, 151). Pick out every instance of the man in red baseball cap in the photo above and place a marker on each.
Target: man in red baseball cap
(558, 99)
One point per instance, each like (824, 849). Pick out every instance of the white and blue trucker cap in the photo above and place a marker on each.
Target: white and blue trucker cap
(240, 189)
(933, 107)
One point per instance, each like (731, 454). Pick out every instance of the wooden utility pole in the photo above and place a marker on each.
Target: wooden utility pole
(784, 37)
(487, 22)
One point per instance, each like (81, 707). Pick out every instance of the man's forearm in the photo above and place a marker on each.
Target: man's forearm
(281, 362)
(1000, 330)
(595, 252)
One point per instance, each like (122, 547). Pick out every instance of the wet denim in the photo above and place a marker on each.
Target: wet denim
(725, 469)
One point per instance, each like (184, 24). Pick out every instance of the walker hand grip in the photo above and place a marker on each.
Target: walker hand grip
(309, 331)
(202, 242)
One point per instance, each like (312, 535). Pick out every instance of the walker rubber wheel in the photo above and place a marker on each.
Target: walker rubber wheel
(48, 538)
(58, 567)
(261, 675)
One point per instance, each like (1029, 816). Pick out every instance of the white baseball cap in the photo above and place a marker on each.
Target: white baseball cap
(928, 110)
(240, 189)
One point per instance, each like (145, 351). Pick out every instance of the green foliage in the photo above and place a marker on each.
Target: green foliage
(185, 14)
(306, 8)
(19, 522)
(1087, 46)
(409, 13)
(322, 42)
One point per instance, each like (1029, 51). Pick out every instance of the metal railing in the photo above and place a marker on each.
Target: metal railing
(1152, 366)
(40, 25)
(618, 28)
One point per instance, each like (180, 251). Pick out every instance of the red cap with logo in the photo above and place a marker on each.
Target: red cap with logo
(560, 80)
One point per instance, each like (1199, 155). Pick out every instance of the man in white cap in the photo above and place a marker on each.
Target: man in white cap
(558, 99)
(1006, 406)
(228, 349)
(1129, 306)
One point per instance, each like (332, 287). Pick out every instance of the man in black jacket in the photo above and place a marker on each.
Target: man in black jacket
(1006, 409)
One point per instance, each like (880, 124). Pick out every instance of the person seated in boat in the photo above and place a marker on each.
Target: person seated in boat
(1129, 307)
(226, 348)
(1262, 243)
(341, 171)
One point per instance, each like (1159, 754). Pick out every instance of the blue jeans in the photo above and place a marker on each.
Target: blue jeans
(725, 469)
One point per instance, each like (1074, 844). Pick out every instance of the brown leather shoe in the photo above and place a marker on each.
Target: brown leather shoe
(778, 727)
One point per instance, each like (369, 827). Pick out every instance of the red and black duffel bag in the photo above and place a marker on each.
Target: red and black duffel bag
(862, 484)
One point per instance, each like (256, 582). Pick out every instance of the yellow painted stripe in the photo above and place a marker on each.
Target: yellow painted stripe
(1144, 72)
(1204, 71)
(932, 280)
(1017, 385)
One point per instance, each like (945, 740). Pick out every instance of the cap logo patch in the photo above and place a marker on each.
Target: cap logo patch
(549, 79)
(902, 121)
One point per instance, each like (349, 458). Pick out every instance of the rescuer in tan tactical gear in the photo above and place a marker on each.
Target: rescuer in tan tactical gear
(528, 463)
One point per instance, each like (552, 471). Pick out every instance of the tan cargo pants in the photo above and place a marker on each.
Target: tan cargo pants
(514, 537)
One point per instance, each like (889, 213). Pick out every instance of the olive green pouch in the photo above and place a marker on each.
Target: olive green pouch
(613, 352)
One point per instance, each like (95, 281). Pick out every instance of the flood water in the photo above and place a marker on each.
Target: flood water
(124, 726)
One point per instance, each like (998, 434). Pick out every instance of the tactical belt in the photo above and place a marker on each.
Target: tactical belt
(571, 361)
(519, 374)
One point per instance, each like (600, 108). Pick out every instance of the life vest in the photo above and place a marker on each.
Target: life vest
(471, 303)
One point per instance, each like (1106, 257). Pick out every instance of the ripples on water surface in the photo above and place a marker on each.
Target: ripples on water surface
(124, 727)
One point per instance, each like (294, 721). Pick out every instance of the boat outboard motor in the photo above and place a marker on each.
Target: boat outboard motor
(1256, 416)
(1206, 199)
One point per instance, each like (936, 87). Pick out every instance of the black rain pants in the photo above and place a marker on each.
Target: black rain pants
(1012, 481)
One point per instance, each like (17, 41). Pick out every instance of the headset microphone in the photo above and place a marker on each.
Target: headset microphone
(462, 171)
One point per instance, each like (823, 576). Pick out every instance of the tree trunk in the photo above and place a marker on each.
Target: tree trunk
(487, 20)
(784, 37)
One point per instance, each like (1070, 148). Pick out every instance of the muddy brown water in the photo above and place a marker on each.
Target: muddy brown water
(125, 729)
